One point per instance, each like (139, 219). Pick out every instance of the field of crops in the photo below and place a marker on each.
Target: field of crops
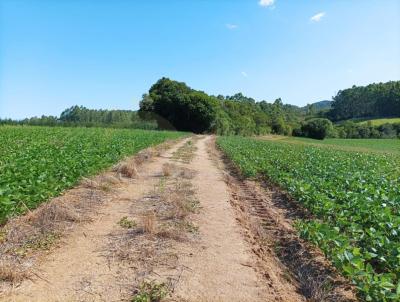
(355, 197)
(37, 163)
(358, 144)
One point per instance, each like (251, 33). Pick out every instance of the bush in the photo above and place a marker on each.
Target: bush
(317, 128)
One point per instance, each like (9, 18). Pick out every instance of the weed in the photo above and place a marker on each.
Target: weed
(151, 292)
(127, 223)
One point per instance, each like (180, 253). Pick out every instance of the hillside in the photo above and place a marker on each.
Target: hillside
(322, 105)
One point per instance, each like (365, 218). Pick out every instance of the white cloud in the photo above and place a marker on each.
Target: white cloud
(266, 3)
(317, 17)
(231, 26)
(244, 74)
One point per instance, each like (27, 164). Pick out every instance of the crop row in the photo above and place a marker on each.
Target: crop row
(354, 197)
(37, 163)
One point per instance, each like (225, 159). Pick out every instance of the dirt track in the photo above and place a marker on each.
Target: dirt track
(216, 256)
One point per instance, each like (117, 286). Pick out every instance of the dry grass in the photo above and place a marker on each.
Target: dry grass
(10, 273)
(148, 223)
(162, 217)
(89, 183)
(170, 232)
(186, 153)
(126, 169)
(167, 169)
(173, 170)
(36, 225)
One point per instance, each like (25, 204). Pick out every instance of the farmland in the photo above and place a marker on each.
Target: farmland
(360, 145)
(354, 198)
(381, 121)
(37, 163)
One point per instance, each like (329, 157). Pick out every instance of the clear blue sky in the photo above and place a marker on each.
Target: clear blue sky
(106, 54)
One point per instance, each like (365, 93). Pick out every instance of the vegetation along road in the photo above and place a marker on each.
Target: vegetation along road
(195, 218)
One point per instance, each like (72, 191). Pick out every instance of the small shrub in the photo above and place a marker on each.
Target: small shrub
(151, 292)
(127, 223)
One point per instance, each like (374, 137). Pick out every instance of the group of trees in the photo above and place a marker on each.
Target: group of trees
(78, 116)
(317, 128)
(374, 100)
(349, 129)
(174, 104)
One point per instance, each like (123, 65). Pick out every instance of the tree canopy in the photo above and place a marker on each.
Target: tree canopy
(192, 110)
(374, 100)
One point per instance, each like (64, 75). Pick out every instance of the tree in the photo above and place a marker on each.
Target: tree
(317, 128)
(185, 108)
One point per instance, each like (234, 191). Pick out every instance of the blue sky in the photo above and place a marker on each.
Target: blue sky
(106, 54)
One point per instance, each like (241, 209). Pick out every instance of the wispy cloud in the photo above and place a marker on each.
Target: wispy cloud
(244, 74)
(317, 17)
(231, 26)
(266, 3)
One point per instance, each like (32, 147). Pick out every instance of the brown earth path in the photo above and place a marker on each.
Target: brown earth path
(220, 264)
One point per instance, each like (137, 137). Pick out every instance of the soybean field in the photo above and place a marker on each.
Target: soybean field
(37, 163)
(354, 198)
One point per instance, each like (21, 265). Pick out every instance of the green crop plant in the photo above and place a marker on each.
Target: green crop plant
(355, 199)
(38, 163)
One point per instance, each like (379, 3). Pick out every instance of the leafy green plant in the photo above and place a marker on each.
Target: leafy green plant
(127, 223)
(38, 163)
(355, 199)
(151, 292)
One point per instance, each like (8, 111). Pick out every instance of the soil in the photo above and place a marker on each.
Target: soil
(226, 250)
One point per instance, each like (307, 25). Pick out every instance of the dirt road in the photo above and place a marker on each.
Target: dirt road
(175, 227)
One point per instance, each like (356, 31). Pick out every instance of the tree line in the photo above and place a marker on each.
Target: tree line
(79, 116)
(371, 101)
(175, 106)
(187, 109)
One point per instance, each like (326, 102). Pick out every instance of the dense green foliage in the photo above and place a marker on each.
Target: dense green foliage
(355, 197)
(317, 128)
(174, 104)
(185, 108)
(78, 116)
(374, 100)
(37, 163)
(349, 129)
